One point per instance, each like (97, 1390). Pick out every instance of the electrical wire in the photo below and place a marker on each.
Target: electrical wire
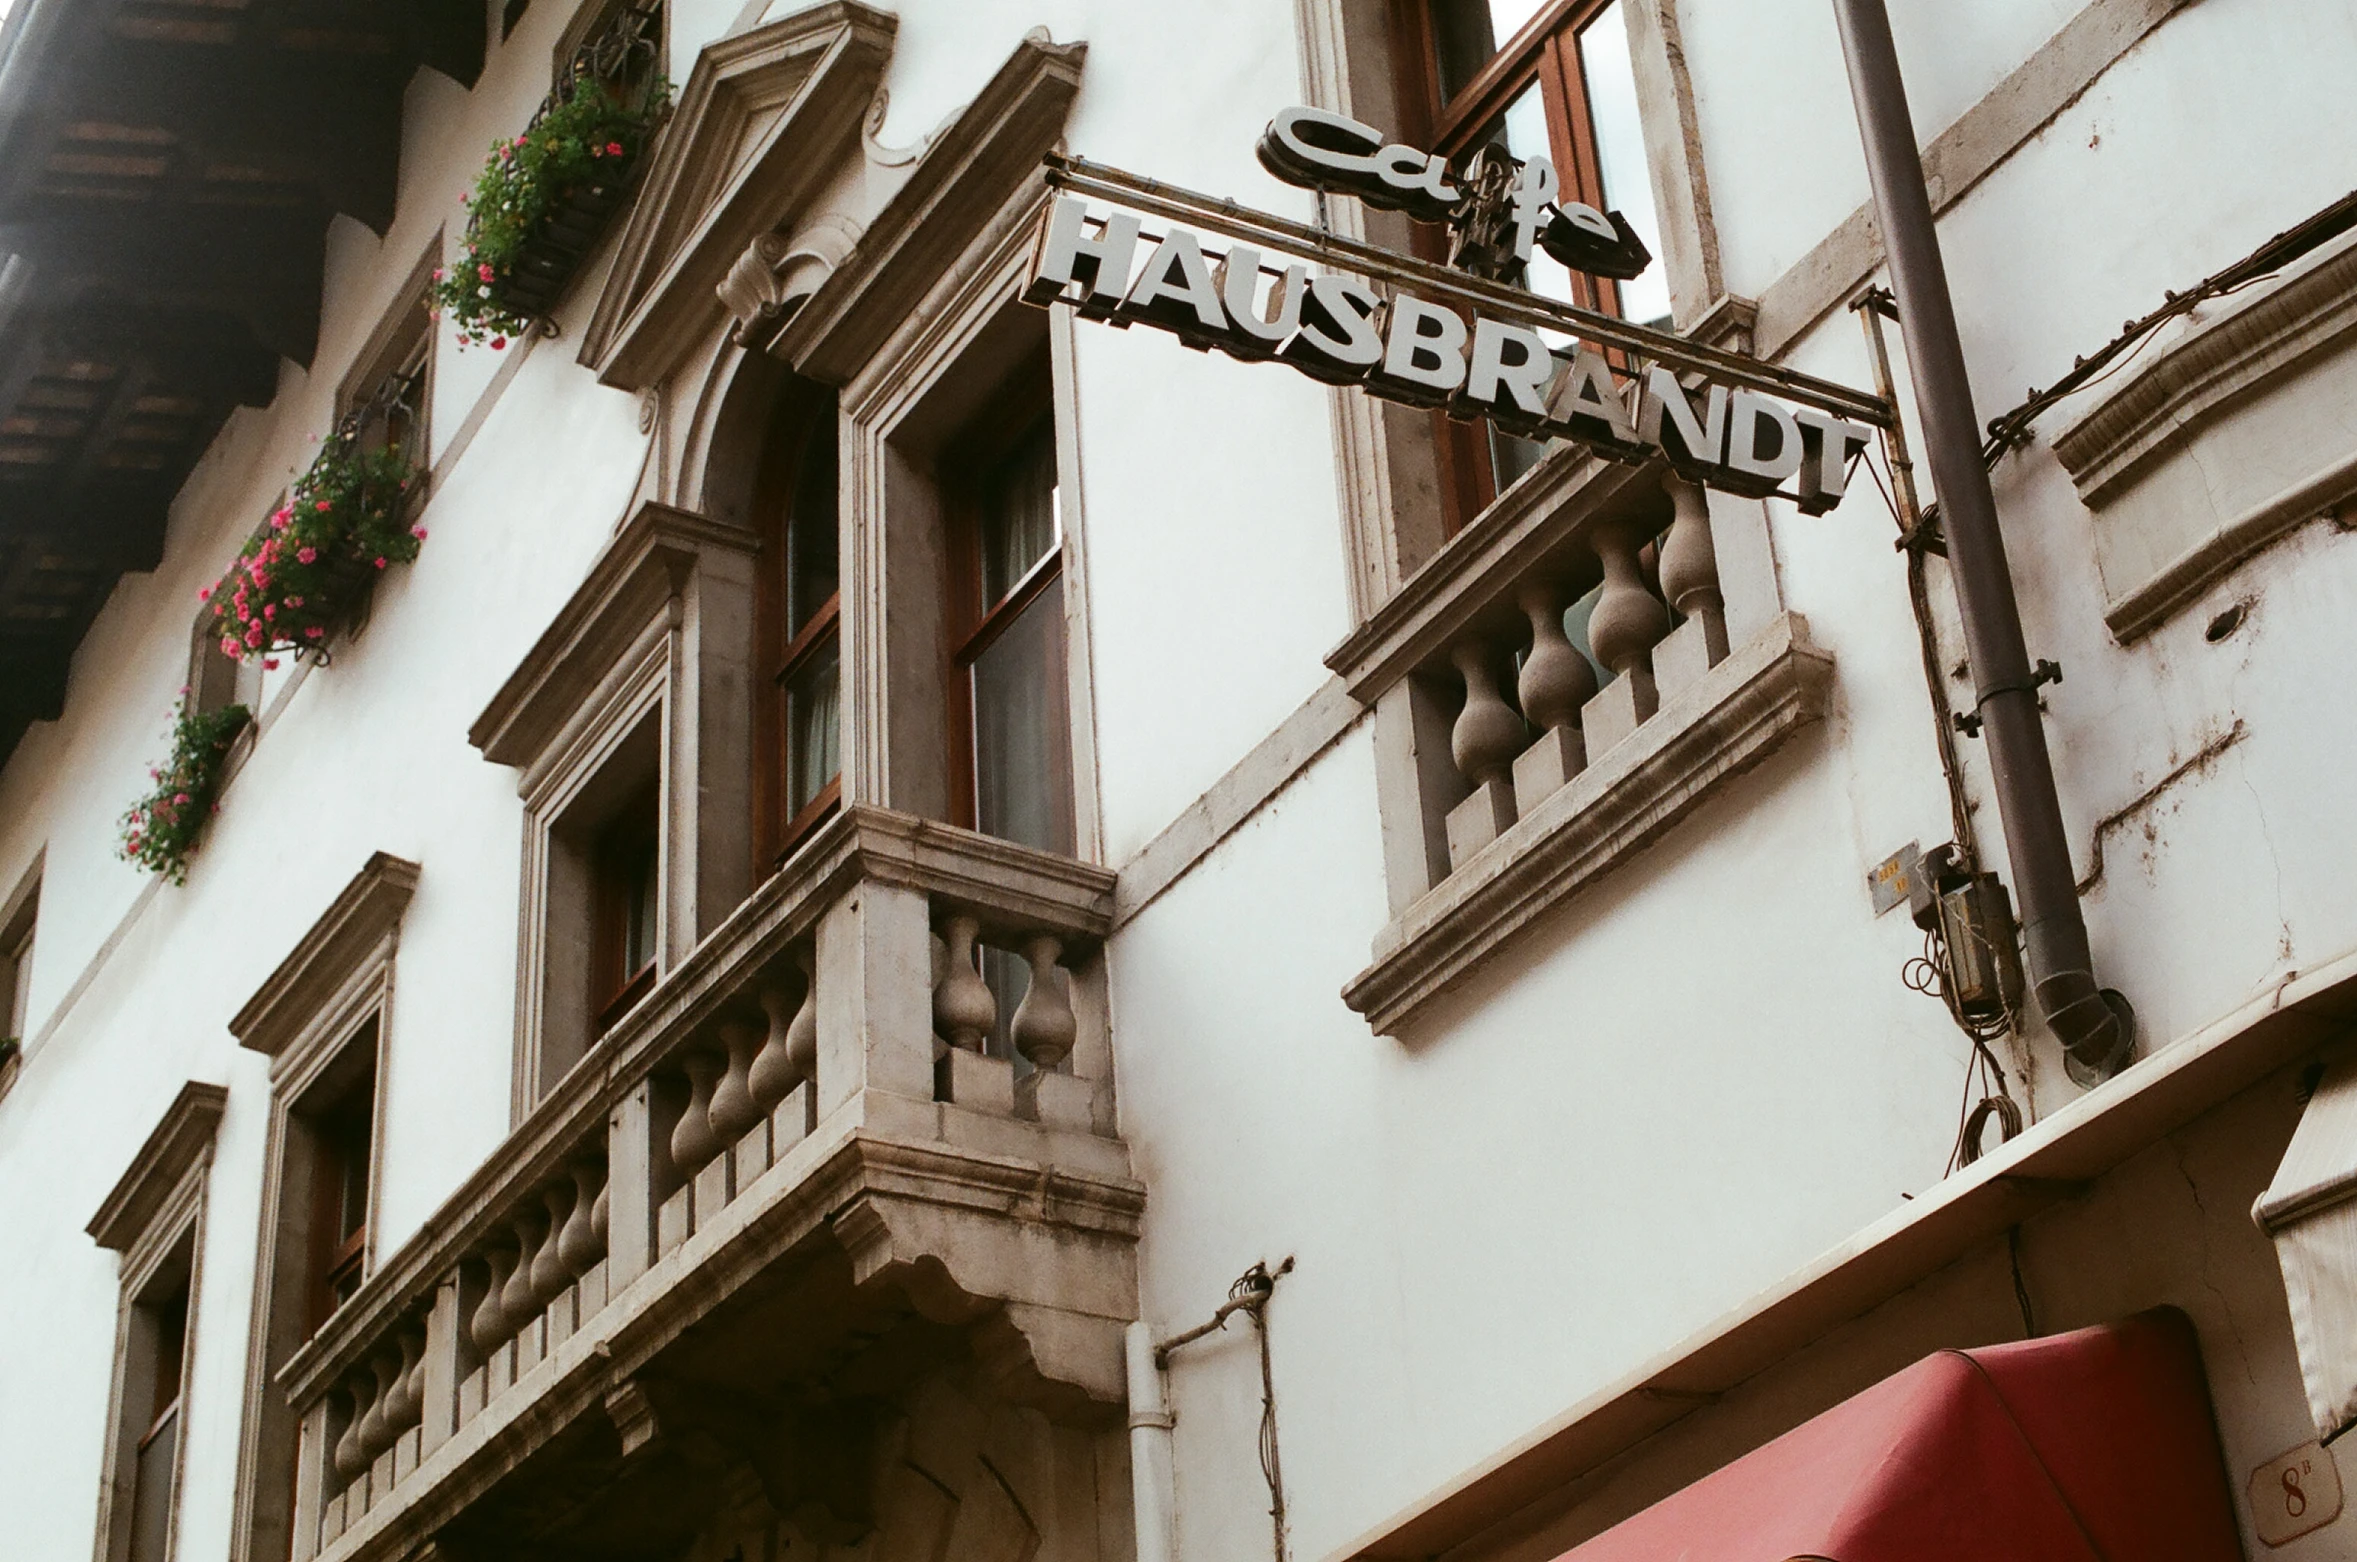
(2010, 429)
(1250, 1295)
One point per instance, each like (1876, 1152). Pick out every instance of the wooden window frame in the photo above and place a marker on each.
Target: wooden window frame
(623, 843)
(776, 838)
(1023, 401)
(1545, 50)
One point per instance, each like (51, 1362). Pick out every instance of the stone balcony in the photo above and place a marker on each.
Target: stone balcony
(819, 1162)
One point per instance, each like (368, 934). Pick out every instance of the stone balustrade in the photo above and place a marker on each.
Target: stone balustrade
(1590, 658)
(845, 1012)
(1532, 710)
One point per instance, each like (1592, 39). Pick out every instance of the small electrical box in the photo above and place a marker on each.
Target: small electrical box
(1974, 918)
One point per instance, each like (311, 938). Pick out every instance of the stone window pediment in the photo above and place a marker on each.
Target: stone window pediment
(771, 202)
(763, 123)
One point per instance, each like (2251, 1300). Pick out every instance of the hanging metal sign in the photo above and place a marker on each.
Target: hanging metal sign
(1466, 337)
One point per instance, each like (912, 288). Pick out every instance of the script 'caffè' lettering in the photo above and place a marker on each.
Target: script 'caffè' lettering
(1316, 150)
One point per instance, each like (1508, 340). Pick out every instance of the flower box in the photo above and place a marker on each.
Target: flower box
(309, 569)
(544, 198)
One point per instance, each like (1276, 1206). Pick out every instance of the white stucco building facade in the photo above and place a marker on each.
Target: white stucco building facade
(553, 1117)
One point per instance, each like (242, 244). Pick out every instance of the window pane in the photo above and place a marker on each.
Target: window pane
(151, 1490)
(1522, 132)
(1620, 150)
(16, 983)
(814, 725)
(640, 912)
(1466, 35)
(1019, 514)
(1022, 776)
(811, 528)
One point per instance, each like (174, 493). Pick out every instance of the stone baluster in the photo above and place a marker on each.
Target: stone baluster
(597, 1214)
(1556, 682)
(733, 1111)
(515, 1301)
(802, 1035)
(581, 1244)
(789, 1053)
(1043, 1028)
(488, 1328)
(1624, 628)
(417, 1371)
(693, 1143)
(350, 1462)
(1690, 580)
(549, 1275)
(408, 1396)
(377, 1428)
(1486, 737)
(963, 1009)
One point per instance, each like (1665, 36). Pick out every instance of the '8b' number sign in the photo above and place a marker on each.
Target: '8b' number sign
(2294, 1494)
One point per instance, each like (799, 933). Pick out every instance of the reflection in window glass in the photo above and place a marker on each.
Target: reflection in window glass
(811, 545)
(1022, 772)
(1620, 151)
(814, 700)
(1522, 131)
(1466, 35)
(151, 1488)
(1019, 514)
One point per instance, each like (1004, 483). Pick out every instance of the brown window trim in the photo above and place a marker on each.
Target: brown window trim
(1022, 402)
(337, 1258)
(614, 987)
(774, 494)
(1544, 50)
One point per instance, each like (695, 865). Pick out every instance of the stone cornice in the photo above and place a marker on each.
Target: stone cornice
(1734, 717)
(764, 120)
(649, 561)
(354, 926)
(968, 174)
(180, 1141)
(2207, 373)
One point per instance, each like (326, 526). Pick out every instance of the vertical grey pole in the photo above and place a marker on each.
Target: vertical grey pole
(2094, 1026)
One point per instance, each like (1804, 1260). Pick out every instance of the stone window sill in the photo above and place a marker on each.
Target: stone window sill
(1723, 723)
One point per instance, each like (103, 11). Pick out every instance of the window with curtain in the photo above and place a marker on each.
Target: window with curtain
(1547, 78)
(1011, 727)
(799, 631)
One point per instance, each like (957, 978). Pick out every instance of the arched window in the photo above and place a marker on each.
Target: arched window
(798, 703)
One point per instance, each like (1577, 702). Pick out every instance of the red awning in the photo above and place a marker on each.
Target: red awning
(2096, 1446)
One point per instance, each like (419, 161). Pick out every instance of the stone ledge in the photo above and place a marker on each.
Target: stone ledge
(1038, 1263)
(1721, 726)
(2196, 379)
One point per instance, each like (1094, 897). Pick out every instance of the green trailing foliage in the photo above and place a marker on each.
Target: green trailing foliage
(160, 831)
(592, 137)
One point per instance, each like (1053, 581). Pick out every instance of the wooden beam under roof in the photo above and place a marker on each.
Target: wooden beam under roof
(168, 172)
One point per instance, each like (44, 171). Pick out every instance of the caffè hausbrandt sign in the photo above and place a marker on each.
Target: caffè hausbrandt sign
(1466, 339)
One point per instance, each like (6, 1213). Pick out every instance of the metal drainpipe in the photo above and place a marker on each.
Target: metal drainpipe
(1151, 1478)
(2095, 1025)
